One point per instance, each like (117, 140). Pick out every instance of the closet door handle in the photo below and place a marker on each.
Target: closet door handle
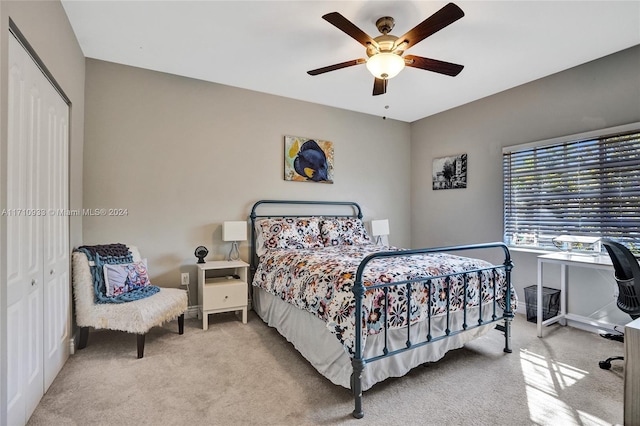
(34, 282)
(53, 271)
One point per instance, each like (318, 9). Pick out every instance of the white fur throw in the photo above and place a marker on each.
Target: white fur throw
(137, 316)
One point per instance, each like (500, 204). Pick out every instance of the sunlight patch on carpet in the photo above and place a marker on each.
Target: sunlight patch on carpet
(545, 380)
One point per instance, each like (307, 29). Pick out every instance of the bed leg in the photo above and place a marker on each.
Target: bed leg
(507, 335)
(356, 387)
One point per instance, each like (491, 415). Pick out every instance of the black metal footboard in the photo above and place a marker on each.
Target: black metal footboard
(412, 342)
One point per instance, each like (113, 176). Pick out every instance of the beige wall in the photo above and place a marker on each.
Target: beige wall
(46, 28)
(183, 155)
(600, 94)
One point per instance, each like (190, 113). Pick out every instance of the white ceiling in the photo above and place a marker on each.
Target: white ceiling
(268, 46)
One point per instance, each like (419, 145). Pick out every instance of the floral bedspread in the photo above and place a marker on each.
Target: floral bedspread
(320, 281)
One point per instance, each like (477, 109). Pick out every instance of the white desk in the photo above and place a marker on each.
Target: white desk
(566, 259)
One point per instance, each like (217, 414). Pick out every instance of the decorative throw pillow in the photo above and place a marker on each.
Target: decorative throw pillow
(343, 231)
(288, 233)
(122, 278)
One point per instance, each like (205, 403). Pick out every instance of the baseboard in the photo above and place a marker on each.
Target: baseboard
(191, 312)
(522, 309)
(72, 344)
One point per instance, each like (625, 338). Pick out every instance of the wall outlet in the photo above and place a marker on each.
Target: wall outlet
(185, 278)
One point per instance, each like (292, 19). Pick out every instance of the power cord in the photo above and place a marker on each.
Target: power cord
(188, 294)
(612, 336)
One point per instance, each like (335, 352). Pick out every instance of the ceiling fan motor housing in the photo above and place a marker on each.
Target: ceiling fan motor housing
(384, 45)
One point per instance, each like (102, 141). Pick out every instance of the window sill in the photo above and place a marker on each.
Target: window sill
(529, 250)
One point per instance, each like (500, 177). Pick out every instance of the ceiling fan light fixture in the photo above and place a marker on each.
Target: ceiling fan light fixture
(385, 65)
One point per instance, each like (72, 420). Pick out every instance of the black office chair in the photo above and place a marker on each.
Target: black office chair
(627, 274)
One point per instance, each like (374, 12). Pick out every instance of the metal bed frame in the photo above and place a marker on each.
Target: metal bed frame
(358, 362)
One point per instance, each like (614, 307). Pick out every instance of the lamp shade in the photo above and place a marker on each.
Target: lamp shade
(385, 65)
(380, 227)
(234, 231)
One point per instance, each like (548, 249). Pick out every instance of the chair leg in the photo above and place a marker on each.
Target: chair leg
(84, 337)
(141, 345)
(606, 364)
(181, 324)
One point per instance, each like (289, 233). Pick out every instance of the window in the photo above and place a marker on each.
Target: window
(584, 186)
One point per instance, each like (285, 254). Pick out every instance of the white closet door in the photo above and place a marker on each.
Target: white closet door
(56, 241)
(37, 238)
(24, 238)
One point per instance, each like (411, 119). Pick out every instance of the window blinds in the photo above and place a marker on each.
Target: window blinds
(585, 187)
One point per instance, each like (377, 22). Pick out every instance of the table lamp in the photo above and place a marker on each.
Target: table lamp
(379, 228)
(234, 231)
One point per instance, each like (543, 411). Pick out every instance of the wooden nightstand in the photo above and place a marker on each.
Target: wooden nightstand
(223, 290)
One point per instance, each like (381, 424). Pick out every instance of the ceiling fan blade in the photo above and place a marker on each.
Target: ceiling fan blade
(379, 86)
(445, 16)
(433, 65)
(349, 28)
(337, 66)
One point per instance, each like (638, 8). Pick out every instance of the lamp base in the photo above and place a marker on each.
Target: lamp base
(234, 253)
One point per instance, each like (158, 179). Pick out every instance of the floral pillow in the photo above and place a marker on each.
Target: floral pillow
(122, 278)
(343, 232)
(291, 233)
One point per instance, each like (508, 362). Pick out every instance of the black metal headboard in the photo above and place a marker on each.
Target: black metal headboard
(286, 206)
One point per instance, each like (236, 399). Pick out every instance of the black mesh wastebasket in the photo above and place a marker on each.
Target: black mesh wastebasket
(550, 302)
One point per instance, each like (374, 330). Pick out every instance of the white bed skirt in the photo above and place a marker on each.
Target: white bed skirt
(324, 351)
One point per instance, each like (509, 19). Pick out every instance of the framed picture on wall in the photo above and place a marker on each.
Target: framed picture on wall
(449, 172)
(308, 160)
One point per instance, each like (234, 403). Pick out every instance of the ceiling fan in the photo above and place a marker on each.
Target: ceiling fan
(384, 53)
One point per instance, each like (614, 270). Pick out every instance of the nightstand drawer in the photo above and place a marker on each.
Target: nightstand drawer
(222, 293)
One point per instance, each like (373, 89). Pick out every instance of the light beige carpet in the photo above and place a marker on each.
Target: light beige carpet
(235, 374)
